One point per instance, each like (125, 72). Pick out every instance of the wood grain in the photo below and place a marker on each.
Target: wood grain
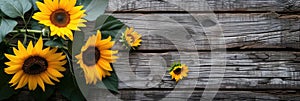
(203, 5)
(221, 95)
(261, 38)
(240, 31)
(195, 95)
(243, 70)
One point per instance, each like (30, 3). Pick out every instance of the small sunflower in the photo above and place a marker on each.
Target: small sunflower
(95, 58)
(131, 38)
(61, 15)
(178, 71)
(34, 65)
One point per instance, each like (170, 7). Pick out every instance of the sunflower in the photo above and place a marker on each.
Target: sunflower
(95, 58)
(34, 65)
(61, 15)
(178, 71)
(131, 37)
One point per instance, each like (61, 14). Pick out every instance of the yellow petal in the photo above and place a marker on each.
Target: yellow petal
(23, 81)
(63, 3)
(104, 64)
(13, 58)
(13, 69)
(73, 27)
(41, 16)
(16, 77)
(70, 5)
(46, 79)
(40, 82)
(75, 9)
(108, 52)
(107, 46)
(55, 4)
(32, 83)
(105, 41)
(54, 72)
(45, 22)
(17, 53)
(77, 15)
(54, 57)
(43, 8)
(79, 56)
(60, 63)
(54, 30)
(38, 46)
(22, 48)
(68, 33)
(50, 5)
(109, 57)
(99, 73)
(29, 48)
(52, 77)
(98, 35)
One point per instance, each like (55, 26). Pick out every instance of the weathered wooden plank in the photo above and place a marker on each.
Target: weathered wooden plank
(195, 95)
(203, 5)
(241, 31)
(243, 70)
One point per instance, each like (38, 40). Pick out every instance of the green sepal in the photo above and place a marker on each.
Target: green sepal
(175, 64)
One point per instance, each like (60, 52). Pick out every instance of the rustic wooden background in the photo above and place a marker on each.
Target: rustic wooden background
(262, 41)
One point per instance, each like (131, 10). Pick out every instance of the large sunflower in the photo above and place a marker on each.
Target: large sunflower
(131, 37)
(95, 58)
(61, 15)
(179, 71)
(34, 65)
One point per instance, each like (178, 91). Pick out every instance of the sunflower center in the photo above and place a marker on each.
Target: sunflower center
(91, 56)
(177, 71)
(132, 38)
(35, 65)
(60, 18)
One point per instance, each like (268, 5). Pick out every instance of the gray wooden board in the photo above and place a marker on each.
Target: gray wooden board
(264, 74)
(196, 95)
(240, 31)
(243, 70)
(202, 5)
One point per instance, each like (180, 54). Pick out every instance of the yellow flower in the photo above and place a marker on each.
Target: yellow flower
(95, 58)
(61, 15)
(132, 38)
(179, 71)
(34, 65)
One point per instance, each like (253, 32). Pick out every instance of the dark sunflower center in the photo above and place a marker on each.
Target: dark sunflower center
(132, 38)
(177, 71)
(91, 56)
(60, 18)
(35, 65)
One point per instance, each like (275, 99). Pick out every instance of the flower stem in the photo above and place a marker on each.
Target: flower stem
(24, 31)
(25, 39)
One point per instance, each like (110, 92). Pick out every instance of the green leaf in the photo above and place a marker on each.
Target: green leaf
(85, 3)
(175, 64)
(36, 26)
(110, 26)
(69, 88)
(6, 26)
(15, 8)
(33, 2)
(40, 95)
(55, 43)
(95, 9)
(5, 90)
(111, 82)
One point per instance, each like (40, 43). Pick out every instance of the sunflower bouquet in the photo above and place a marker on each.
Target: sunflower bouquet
(43, 49)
